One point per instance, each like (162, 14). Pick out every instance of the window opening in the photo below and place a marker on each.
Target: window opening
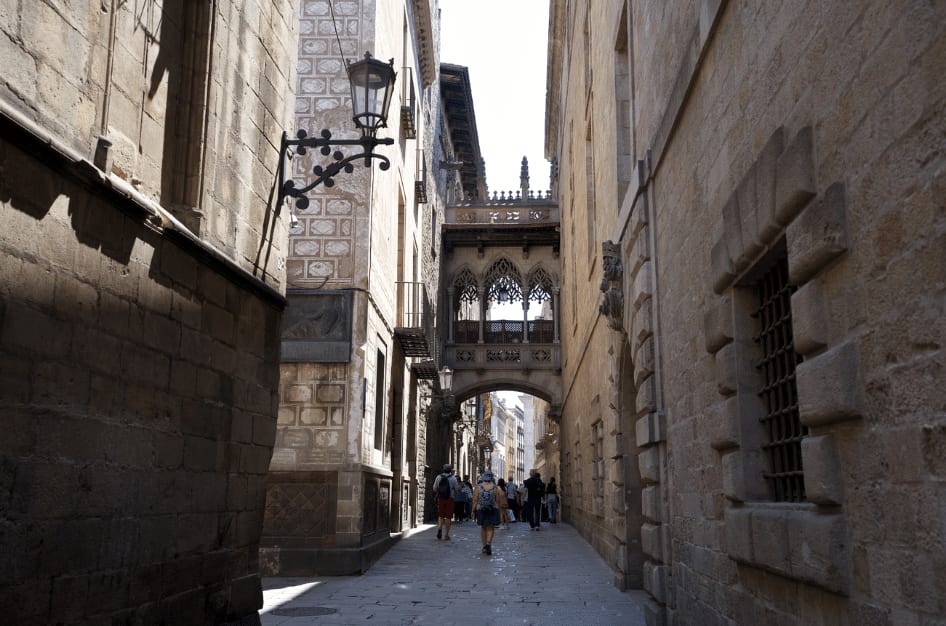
(779, 394)
(379, 403)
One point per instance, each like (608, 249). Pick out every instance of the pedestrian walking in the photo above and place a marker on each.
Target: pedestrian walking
(535, 491)
(503, 507)
(512, 500)
(467, 490)
(486, 508)
(445, 488)
(460, 503)
(551, 500)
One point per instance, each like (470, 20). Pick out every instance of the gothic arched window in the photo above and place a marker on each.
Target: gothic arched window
(540, 285)
(503, 282)
(465, 287)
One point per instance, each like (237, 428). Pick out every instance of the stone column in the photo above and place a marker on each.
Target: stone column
(450, 314)
(555, 312)
(525, 320)
(482, 293)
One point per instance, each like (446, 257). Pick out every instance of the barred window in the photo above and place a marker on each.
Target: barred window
(779, 394)
(597, 450)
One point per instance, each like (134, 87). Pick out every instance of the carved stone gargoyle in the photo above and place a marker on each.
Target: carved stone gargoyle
(612, 302)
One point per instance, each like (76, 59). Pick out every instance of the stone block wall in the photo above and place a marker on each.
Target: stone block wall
(794, 137)
(139, 382)
(141, 266)
(811, 131)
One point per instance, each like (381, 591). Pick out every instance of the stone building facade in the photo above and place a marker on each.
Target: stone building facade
(141, 280)
(348, 472)
(752, 194)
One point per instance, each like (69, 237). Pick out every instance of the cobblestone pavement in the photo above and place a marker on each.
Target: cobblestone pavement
(548, 577)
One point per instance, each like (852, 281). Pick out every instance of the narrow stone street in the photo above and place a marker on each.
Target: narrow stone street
(548, 577)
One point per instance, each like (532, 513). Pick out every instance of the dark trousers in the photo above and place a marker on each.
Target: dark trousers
(534, 512)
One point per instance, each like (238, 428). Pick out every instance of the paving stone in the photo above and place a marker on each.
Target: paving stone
(547, 577)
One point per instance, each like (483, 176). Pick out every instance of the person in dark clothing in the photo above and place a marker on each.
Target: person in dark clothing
(551, 500)
(535, 491)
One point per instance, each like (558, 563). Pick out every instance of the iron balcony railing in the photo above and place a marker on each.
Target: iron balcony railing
(503, 331)
(415, 331)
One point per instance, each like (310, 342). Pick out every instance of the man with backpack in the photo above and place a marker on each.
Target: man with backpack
(445, 486)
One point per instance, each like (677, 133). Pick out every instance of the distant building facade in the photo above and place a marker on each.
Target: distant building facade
(752, 327)
(141, 280)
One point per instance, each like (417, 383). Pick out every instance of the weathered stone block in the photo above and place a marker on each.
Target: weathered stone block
(795, 178)
(765, 172)
(721, 266)
(725, 429)
(650, 429)
(726, 368)
(646, 400)
(655, 614)
(741, 470)
(640, 322)
(818, 235)
(649, 463)
(644, 360)
(655, 580)
(651, 538)
(809, 318)
(718, 324)
(732, 233)
(818, 549)
(299, 393)
(640, 253)
(829, 386)
(770, 540)
(823, 479)
(651, 504)
(643, 288)
(737, 533)
(745, 199)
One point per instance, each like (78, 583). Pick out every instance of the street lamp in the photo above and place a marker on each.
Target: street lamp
(372, 85)
(446, 379)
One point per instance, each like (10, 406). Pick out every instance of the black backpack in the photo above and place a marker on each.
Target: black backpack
(444, 491)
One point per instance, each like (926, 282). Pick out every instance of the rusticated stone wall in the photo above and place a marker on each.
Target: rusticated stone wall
(807, 134)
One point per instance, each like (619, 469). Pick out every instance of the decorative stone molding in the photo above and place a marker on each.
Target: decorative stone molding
(776, 187)
(801, 541)
(612, 303)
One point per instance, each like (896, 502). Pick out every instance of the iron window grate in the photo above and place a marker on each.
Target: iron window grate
(779, 393)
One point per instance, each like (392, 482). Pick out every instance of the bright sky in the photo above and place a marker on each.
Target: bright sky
(504, 45)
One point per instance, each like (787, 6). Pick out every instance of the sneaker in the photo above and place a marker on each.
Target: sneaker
(489, 549)
(439, 533)
(538, 528)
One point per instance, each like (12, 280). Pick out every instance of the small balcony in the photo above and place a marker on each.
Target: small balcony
(408, 105)
(415, 329)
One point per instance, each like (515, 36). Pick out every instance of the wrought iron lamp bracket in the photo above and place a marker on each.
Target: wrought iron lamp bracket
(325, 175)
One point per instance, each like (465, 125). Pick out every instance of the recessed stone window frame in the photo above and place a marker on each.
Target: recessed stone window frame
(775, 210)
